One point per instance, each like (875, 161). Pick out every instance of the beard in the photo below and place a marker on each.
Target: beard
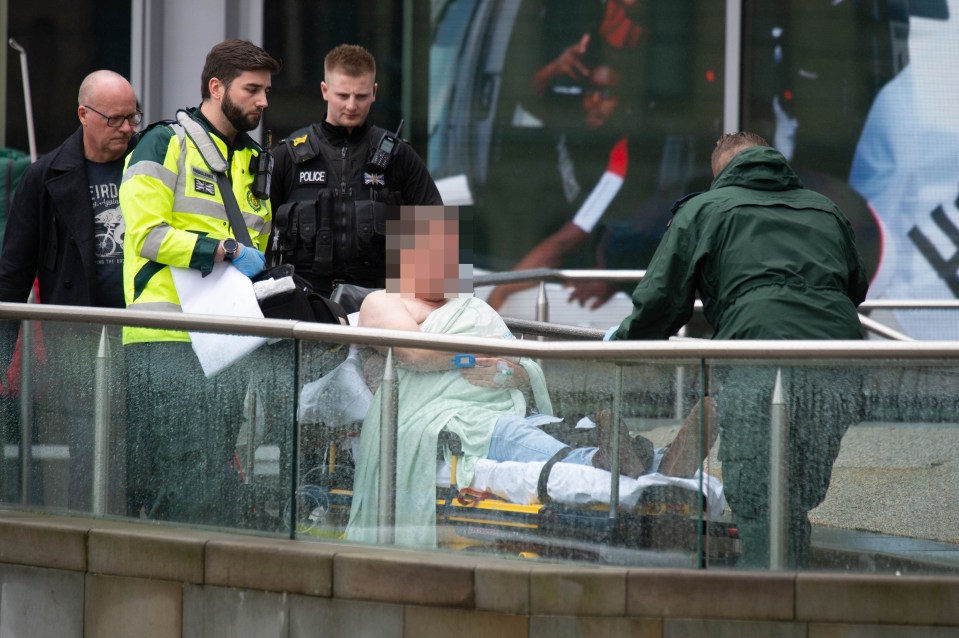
(235, 115)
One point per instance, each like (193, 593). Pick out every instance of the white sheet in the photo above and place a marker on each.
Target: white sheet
(227, 292)
(582, 485)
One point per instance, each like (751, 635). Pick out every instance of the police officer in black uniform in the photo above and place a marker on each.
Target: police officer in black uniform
(335, 181)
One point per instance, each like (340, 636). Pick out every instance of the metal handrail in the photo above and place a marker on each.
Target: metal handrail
(617, 350)
(566, 274)
(552, 330)
(555, 274)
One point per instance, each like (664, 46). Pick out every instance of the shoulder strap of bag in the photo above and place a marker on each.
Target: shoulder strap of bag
(217, 163)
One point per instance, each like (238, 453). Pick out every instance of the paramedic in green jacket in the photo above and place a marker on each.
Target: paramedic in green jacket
(770, 260)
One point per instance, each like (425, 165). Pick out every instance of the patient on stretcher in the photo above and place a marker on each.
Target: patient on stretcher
(493, 404)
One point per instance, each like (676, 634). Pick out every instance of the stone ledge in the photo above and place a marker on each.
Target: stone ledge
(272, 565)
(905, 600)
(563, 591)
(56, 543)
(114, 552)
(407, 577)
(503, 590)
(149, 553)
(691, 593)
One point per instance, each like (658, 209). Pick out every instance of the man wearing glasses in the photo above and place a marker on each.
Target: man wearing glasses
(65, 230)
(64, 226)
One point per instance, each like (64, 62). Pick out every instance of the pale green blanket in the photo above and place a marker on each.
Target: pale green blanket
(428, 403)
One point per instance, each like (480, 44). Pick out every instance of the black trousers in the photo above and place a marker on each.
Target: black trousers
(181, 435)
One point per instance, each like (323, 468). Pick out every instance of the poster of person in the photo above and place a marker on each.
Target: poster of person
(575, 124)
(567, 118)
(906, 165)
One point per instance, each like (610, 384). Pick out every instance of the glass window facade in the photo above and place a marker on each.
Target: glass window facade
(571, 127)
(64, 42)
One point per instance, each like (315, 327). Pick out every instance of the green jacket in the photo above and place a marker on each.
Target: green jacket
(769, 259)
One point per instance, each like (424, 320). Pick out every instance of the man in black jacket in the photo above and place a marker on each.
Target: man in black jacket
(65, 226)
(332, 194)
(65, 230)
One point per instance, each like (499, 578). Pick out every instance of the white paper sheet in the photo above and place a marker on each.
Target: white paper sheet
(227, 292)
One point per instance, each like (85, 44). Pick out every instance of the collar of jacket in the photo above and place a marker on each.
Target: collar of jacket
(242, 141)
(71, 155)
(339, 134)
(760, 168)
(682, 200)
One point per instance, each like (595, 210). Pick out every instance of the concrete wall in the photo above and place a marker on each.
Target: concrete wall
(68, 577)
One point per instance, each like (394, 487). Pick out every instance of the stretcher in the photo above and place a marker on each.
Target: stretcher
(660, 520)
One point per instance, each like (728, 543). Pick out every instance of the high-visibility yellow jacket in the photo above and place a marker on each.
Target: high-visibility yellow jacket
(174, 215)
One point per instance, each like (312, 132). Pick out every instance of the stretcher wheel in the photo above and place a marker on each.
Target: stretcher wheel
(312, 509)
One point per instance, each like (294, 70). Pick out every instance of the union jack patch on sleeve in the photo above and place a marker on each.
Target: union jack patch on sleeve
(203, 186)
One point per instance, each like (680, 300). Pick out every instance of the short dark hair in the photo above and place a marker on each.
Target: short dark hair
(731, 143)
(228, 59)
(351, 59)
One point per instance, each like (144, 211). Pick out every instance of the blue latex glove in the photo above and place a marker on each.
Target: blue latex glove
(609, 333)
(249, 261)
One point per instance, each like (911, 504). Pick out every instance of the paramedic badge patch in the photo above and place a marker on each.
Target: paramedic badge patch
(253, 200)
(374, 179)
(203, 186)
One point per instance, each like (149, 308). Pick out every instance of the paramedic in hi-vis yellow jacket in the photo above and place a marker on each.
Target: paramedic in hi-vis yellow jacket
(178, 187)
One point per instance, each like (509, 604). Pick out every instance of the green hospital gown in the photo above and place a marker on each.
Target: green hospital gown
(430, 402)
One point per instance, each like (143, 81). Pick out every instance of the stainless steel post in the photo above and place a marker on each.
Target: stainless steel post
(542, 305)
(679, 405)
(778, 470)
(101, 426)
(614, 444)
(27, 101)
(389, 409)
(250, 460)
(26, 408)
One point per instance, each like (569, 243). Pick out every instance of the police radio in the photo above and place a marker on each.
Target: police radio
(261, 167)
(385, 150)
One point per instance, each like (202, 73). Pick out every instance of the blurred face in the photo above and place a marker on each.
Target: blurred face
(101, 142)
(429, 261)
(245, 99)
(348, 98)
(601, 98)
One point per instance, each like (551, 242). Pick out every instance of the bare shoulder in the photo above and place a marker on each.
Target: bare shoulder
(382, 309)
(375, 304)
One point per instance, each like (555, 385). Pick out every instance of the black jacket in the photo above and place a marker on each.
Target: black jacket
(49, 235)
(49, 232)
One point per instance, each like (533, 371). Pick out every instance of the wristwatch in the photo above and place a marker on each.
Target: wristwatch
(229, 248)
